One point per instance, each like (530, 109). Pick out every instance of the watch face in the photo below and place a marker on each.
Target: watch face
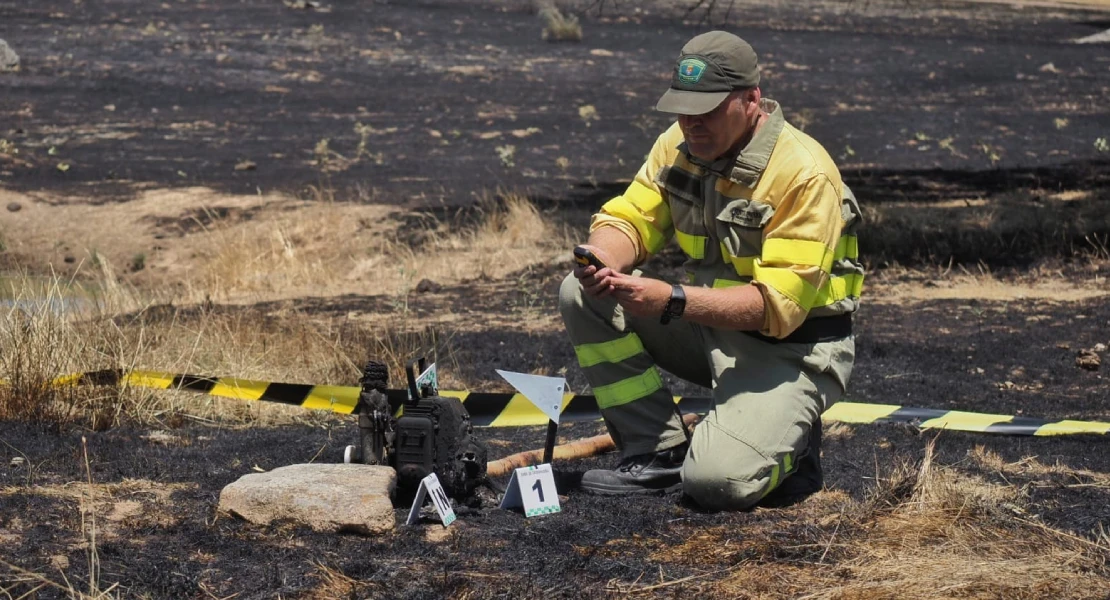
(676, 307)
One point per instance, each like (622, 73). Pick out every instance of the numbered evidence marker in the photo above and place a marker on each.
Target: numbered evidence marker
(532, 489)
(429, 486)
(428, 378)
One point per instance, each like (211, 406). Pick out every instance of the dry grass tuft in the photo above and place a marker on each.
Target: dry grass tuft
(43, 341)
(298, 251)
(325, 247)
(334, 584)
(509, 234)
(924, 531)
(62, 328)
(559, 27)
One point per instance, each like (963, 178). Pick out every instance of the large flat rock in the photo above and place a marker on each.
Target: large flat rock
(326, 497)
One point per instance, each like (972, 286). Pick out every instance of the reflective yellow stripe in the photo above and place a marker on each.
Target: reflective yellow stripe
(788, 463)
(744, 265)
(839, 288)
(788, 283)
(835, 290)
(609, 352)
(797, 252)
(646, 211)
(633, 388)
(847, 247)
(791, 285)
(855, 285)
(774, 483)
(727, 283)
(692, 245)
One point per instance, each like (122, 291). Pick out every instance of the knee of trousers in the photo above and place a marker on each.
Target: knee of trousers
(735, 483)
(570, 296)
(580, 311)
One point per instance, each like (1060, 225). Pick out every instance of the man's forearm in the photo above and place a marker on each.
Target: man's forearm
(619, 251)
(736, 308)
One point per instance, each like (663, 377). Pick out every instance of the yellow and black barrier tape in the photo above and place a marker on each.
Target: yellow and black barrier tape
(511, 410)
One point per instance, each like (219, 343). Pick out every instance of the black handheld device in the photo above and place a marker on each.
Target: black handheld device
(584, 257)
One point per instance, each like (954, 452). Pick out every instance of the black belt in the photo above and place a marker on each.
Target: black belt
(814, 331)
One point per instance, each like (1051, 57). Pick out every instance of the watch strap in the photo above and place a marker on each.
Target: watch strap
(675, 306)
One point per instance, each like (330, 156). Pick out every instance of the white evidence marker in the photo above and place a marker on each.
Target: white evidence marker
(545, 392)
(429, 378)
(532, 489)
(430, 486)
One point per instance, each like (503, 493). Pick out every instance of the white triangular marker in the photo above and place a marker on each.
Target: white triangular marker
(429, 486)
(545, 392)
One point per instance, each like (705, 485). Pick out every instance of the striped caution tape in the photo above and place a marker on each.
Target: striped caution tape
(958, 420)
(511, 410)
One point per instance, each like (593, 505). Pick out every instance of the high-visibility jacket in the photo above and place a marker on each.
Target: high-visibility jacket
(777, 216)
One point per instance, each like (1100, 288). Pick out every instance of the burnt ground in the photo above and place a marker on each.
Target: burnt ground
(132, 94)
(919, 106)
(179, 547)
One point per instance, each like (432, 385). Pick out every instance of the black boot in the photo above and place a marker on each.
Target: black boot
(652, 473)
(805, 481)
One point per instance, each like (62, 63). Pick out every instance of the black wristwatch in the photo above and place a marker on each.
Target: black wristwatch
(675, 306)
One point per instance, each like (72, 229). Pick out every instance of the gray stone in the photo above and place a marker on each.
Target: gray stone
(330, 498)
(14, 206)
(9, 60)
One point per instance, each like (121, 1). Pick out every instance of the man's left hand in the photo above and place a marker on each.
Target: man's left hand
(640, 296)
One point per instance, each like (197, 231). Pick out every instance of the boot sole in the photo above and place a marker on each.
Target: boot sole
(600, 490)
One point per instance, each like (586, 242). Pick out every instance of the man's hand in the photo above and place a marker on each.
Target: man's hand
(640, 296)
(595, 281)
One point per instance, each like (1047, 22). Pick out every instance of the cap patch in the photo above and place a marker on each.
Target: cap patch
(690, 70)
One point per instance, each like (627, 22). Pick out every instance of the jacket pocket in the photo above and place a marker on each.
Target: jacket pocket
(740, 226)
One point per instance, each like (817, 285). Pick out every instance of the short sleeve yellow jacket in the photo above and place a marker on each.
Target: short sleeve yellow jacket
(776, 216)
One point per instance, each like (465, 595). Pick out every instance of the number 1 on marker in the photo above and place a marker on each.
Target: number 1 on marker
(538, 487)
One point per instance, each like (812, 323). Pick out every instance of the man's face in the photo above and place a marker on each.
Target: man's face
(710, 136)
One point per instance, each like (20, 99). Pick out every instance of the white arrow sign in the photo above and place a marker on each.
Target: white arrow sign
(545, 392)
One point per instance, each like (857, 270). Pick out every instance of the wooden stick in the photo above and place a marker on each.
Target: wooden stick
(582, 448)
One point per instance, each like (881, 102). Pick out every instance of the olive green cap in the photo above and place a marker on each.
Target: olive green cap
(709, 68)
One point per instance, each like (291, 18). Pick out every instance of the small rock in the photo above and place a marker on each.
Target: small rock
(427, 285)
(9, 60)
(69, 259)
(14, 207)
(246, 165)
(17, 461)
(162, 437)
(1100, 348)
(326, 497)
(1087, 359)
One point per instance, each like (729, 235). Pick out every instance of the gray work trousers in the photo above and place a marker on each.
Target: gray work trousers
(766, 396)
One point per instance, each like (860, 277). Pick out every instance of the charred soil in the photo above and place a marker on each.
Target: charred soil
(970, 133)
